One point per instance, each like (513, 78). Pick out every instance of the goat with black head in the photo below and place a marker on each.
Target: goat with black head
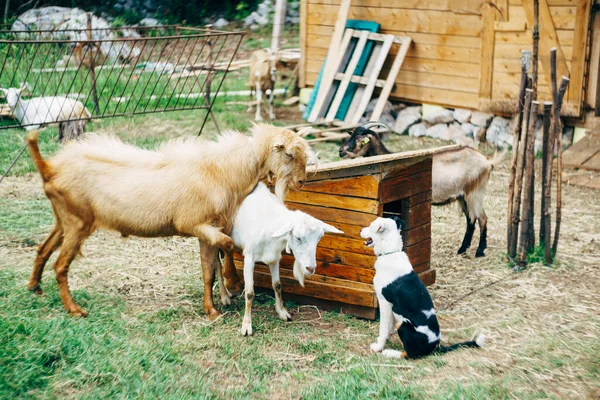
(459, 174)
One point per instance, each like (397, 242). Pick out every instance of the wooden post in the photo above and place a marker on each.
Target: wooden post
(536, 39)
(278, 24)
(547, 157)
(516, 130)
(558, 135)
(519, 176)
(89, 47)
(534, 87)
(528, 182)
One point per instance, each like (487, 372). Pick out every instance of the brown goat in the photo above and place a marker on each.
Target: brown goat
(188, 187)
(459, 174)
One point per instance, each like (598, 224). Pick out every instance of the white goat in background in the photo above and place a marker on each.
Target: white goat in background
(263, 67)
(263, 228)
(39, 111)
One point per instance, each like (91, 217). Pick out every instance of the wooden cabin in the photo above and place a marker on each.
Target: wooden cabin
(350, 194)
(465, 53)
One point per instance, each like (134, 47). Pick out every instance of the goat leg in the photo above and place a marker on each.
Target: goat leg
(232, 280)
(259, 94)
(283, 314)
(208, 257)
(45, 250)
(470, 227)
(223, 292)
(249, 286)
(482, 220)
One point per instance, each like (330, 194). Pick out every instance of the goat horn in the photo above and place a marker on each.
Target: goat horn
(375, 123)
(304, 131)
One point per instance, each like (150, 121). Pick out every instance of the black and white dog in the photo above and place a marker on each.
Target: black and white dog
(404, 303)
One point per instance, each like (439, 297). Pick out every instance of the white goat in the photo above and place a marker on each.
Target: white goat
(263, 228)
(39, 111)
(263, 66)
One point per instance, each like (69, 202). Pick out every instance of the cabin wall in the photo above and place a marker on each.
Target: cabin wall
(465, 53)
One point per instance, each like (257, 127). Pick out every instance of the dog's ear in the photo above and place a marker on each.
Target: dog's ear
(380, 228)
(400, 224)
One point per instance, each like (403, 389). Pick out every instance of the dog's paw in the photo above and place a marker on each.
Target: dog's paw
(376, 347)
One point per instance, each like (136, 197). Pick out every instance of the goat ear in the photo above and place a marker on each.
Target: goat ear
(284, 230)
(278, 145)
(380, 228)
(24, 86)
(330, 229)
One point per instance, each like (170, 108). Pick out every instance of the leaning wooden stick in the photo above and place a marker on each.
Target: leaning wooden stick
(534, 87)
(515, 219)
(558, 135)
(527, 184)
(516, 130)
(547, 156)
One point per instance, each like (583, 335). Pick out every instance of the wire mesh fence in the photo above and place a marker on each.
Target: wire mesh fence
(111, 72)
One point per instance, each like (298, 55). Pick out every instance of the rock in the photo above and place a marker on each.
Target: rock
(150, 22)
(479, 134)
(481, 119)
(388, 115)
(468, 128)
(254, 27)
(461, 115)
(497, 131)
(264, 8)
(262, 20)
(74, 22)
(406, 118)
(442, 116)
(293, 20)
(417, 130)
(438, 131)
(458, 136)
(220, 23)
(251, 19)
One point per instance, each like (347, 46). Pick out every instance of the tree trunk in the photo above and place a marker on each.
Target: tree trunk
(547, 157)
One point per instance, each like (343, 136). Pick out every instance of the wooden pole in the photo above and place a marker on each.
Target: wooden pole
(558, 135)
(278, 24)
(528, 182)
(516, 130)
(534, 87)
(547, 156)
(91, 63)
(519, 176)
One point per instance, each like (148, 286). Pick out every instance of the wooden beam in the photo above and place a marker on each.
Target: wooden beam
(548, 39)
(487, 52)
(303, 47)
(333, 55)
(582, 22)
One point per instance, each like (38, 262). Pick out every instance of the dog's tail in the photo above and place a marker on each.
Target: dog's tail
(479, 341)
(36, 156)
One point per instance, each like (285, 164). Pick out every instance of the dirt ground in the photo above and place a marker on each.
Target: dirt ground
(542, 325)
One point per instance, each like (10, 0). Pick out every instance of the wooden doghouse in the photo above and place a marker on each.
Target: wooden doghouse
(350, 194)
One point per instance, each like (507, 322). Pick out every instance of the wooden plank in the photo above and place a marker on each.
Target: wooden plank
(346, 244)
(335, 291)
(329, 214)
(418, 38)
(440, 22)
(593, 163)
(405, 186)
(333, 56)
(593, 82)
(562, 17)
(304, 29)
(508, 51)
(428, 277)
(582, 151)
(419, 198)
(336, 257)
(327, 80)
(418, 215)
(411, 167)
(366, 186)
(441, 97)
(351, 273)
(418, 234)
(419, 253)
(359, 92)
(582, 21)
(368, 92)
(343, 86)
(391, 79)
(334, 201)
(548, 39)
(487, 52)
(565, 38)
(421, 267)
(370, 313)
(361, 80)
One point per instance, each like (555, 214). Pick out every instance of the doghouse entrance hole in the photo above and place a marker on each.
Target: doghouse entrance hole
(398, 208)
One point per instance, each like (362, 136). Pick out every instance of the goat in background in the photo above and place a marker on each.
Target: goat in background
(188, 187)
(263, 68)
(459, 174)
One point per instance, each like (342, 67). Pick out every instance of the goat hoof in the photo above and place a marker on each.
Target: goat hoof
(78, 312)
(479, 253)
(258, 119)
(225, 300)
(213, 314)
(272, 116)
(284, 315)
(36, 289)
(461, 251)
(246, 329)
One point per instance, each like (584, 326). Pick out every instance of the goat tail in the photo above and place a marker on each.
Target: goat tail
(498, 158)
(36, 156)
(479, 341)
